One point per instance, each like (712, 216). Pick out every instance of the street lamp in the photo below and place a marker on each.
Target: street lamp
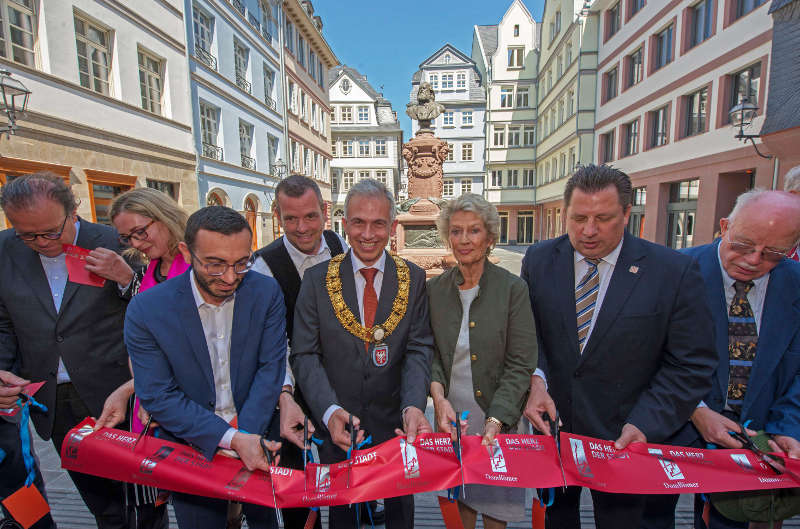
(15, 99)
(742, 116)
(279, 168)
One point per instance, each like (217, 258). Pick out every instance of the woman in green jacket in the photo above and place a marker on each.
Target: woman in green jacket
(485, 347)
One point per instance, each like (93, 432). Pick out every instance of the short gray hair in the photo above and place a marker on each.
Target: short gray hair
(24, 191)
(791, 182)
(474, 204)
(369, 187)
(743, 200)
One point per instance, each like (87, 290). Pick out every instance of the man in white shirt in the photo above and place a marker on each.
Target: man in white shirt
(208, 351)
(351, 357)
(305, 243)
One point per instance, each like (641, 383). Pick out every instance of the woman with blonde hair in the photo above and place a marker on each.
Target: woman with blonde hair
(484, 347)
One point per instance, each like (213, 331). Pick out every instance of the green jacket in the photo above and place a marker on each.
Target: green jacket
(502, 338)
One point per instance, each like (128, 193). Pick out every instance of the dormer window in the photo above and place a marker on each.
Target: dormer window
(447, 59)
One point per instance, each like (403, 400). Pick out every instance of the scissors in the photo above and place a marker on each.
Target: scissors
(555, 429)
(748, 444)
(144, 432)
(270, 459)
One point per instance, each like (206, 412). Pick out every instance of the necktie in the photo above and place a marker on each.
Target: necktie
(585, 299)
(742, 341)
(370, 297)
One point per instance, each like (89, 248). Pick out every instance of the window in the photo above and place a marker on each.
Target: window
(347, 114)
(208, 130)
(269, 84)
(241, 57)
(560, 111)
(168, 188)
(681, 213)
(636, 6)
(658, 131)
(570, 103)
(203, 29)
(466, 152)
(461, 80)
(94, 57)
(20, 26)
(451, 152)
(607, 147)
(516, 30)
(466, 186)
(632, 138)
(447, 119)
(447, 187)
(292, 97)
(499, 137)
(380, 176)
(150, 82)
(745, 6)
(363, 148)
(363, 113)
(301, 50)
(558, 22)
(347, 180)
(314, 121)
(560, 68)
(635, 67)
(528, 177)
(466, 118)
(272, 151)
(380, 147)
(525, 227)
(513, 177)
(303, 106)
(562, 165)
(503, 227)
(312, 64)
(528, 135)
(513, 136)
(447, 81)
(246, 144)
(611, 84)
(347, 148)
(696, 112)
(522, 97)
(506, 96)
(290, 36)
(269, 18)
(663, 52)
(515, 56)
(569, 53)
(333, 150)
(549, 80)
(497, 178)
(636, 221)
(613, 21)
(572, 160)
(745, 85)
(702, 19)
(434, 80)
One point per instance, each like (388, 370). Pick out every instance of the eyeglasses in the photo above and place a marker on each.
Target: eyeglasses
(51, 236)
(137, 234)
(746, 249)
(218, 269)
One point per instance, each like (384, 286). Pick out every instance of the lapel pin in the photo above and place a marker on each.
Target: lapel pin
(633, 269)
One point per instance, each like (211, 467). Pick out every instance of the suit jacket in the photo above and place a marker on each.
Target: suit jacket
(172, 367)
(650, 356)
(86, 333)
(501, 340)
(331, 365)
(772, 400)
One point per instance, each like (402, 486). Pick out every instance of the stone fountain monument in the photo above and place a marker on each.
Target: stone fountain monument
(417, 239)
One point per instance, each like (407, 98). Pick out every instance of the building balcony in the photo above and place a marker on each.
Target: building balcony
(270, 103)
(238, 5)
(267, 35)
(205, 57)
(253, 21)
(248, 162)
(243, 83)
(212, 151)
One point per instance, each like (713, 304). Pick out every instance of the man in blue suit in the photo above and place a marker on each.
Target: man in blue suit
(624, 347)
(754, 296)
(208, 350)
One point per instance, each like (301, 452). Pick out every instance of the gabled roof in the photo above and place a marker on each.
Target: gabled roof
(522, 5)
(488, 39)
(447, 48)
(337, 71)
(777, 4)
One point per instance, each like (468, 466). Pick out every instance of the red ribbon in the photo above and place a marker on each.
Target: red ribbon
(395, 468)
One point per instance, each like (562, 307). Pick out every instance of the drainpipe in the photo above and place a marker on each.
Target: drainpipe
(776, 163)
(284, 88)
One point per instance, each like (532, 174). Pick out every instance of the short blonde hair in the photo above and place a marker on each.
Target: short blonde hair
(155, 205)
(474, 204)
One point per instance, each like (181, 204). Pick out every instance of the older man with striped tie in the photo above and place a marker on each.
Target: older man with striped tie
(624, 348)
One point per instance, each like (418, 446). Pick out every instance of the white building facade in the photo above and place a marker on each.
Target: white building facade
(108, 109)
(366, 137)
(507, 55)
(236, 97)
(459, 87)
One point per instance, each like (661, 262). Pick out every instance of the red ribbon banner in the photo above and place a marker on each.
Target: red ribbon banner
(396, 468)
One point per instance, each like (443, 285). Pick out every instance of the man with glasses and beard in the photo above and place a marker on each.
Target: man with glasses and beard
(753, 292)
(56, 330)
(208, 350)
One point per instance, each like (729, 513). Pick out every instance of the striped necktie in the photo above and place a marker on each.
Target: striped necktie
(742, 341)
(585, 300)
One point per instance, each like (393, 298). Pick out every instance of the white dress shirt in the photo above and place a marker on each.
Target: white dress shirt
(302, 262)
(361, 283)
(755, 297)
(605, 269)
(217, 321)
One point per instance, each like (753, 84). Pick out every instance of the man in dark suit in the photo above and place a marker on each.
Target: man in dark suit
(624, 347)
(372, 366)
(58, 331)
(753, 293)
(208, 350)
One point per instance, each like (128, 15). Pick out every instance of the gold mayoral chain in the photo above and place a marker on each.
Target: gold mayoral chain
(349, 321)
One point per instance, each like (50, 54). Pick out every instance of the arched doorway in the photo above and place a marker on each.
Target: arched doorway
(214, 199)
(251, 215)
(338, 215)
